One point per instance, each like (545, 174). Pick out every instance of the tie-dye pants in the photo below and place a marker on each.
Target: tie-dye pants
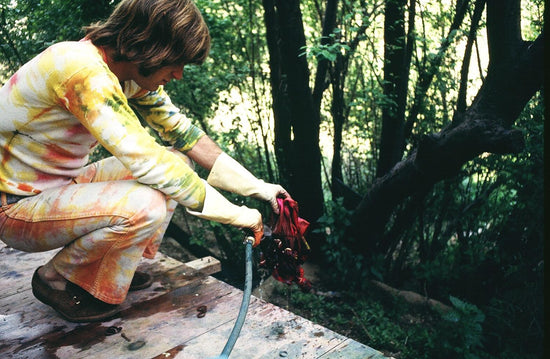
(104, 222)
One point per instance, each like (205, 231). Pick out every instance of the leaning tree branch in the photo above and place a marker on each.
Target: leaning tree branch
(437, 157)
(486, 126)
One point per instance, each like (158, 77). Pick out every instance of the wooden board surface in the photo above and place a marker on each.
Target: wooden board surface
(161, 321)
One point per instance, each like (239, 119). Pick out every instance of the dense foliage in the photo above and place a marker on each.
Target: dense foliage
(472, 241)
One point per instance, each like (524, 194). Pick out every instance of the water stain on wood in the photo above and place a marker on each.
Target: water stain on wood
(159, 322)
(82, 337)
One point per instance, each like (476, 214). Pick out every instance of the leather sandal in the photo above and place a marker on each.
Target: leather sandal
(74, 303)
(141, 280)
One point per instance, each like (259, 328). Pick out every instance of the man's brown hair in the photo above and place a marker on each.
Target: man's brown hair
(154, 33)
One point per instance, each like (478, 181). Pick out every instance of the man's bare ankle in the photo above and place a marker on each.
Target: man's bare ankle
(52, 278)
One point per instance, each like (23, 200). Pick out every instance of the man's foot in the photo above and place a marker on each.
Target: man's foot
(73, 303)
(141, 280)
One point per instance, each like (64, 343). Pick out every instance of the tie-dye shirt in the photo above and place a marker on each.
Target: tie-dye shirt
(65, 101)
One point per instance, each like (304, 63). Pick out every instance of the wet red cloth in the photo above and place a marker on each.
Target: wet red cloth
(286, 250)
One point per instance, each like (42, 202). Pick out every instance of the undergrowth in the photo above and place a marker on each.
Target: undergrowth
(390, 325)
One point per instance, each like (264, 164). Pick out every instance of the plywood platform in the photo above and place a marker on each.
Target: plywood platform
(161, 321)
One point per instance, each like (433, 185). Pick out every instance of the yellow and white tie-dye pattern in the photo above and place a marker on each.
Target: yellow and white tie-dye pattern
(105, 222)
(58, 106)
(105, 215)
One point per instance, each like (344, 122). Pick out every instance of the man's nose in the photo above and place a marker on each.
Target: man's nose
(178, 74)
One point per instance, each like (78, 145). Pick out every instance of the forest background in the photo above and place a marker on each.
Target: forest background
(410, 133)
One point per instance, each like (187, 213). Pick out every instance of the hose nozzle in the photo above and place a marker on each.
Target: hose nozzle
(249, 239)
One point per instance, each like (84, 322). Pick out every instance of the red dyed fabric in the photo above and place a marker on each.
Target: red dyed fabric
(286, 250)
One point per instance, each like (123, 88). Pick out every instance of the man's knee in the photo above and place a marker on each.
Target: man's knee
(151, 207)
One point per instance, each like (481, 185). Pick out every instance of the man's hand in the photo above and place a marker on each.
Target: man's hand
(270, 192)
(229, 175)
(217, 208)
(250, 219)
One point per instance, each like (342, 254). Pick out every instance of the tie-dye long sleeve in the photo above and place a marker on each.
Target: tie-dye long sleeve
(173, 127)
(58, 106)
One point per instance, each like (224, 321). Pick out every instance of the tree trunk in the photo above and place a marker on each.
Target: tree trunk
(338, 119)
(427, 76)
(321, 75)
(478, 11)
(293, 106)
(395, 90)
(339, 108)
(281, 108)
(514, 76)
